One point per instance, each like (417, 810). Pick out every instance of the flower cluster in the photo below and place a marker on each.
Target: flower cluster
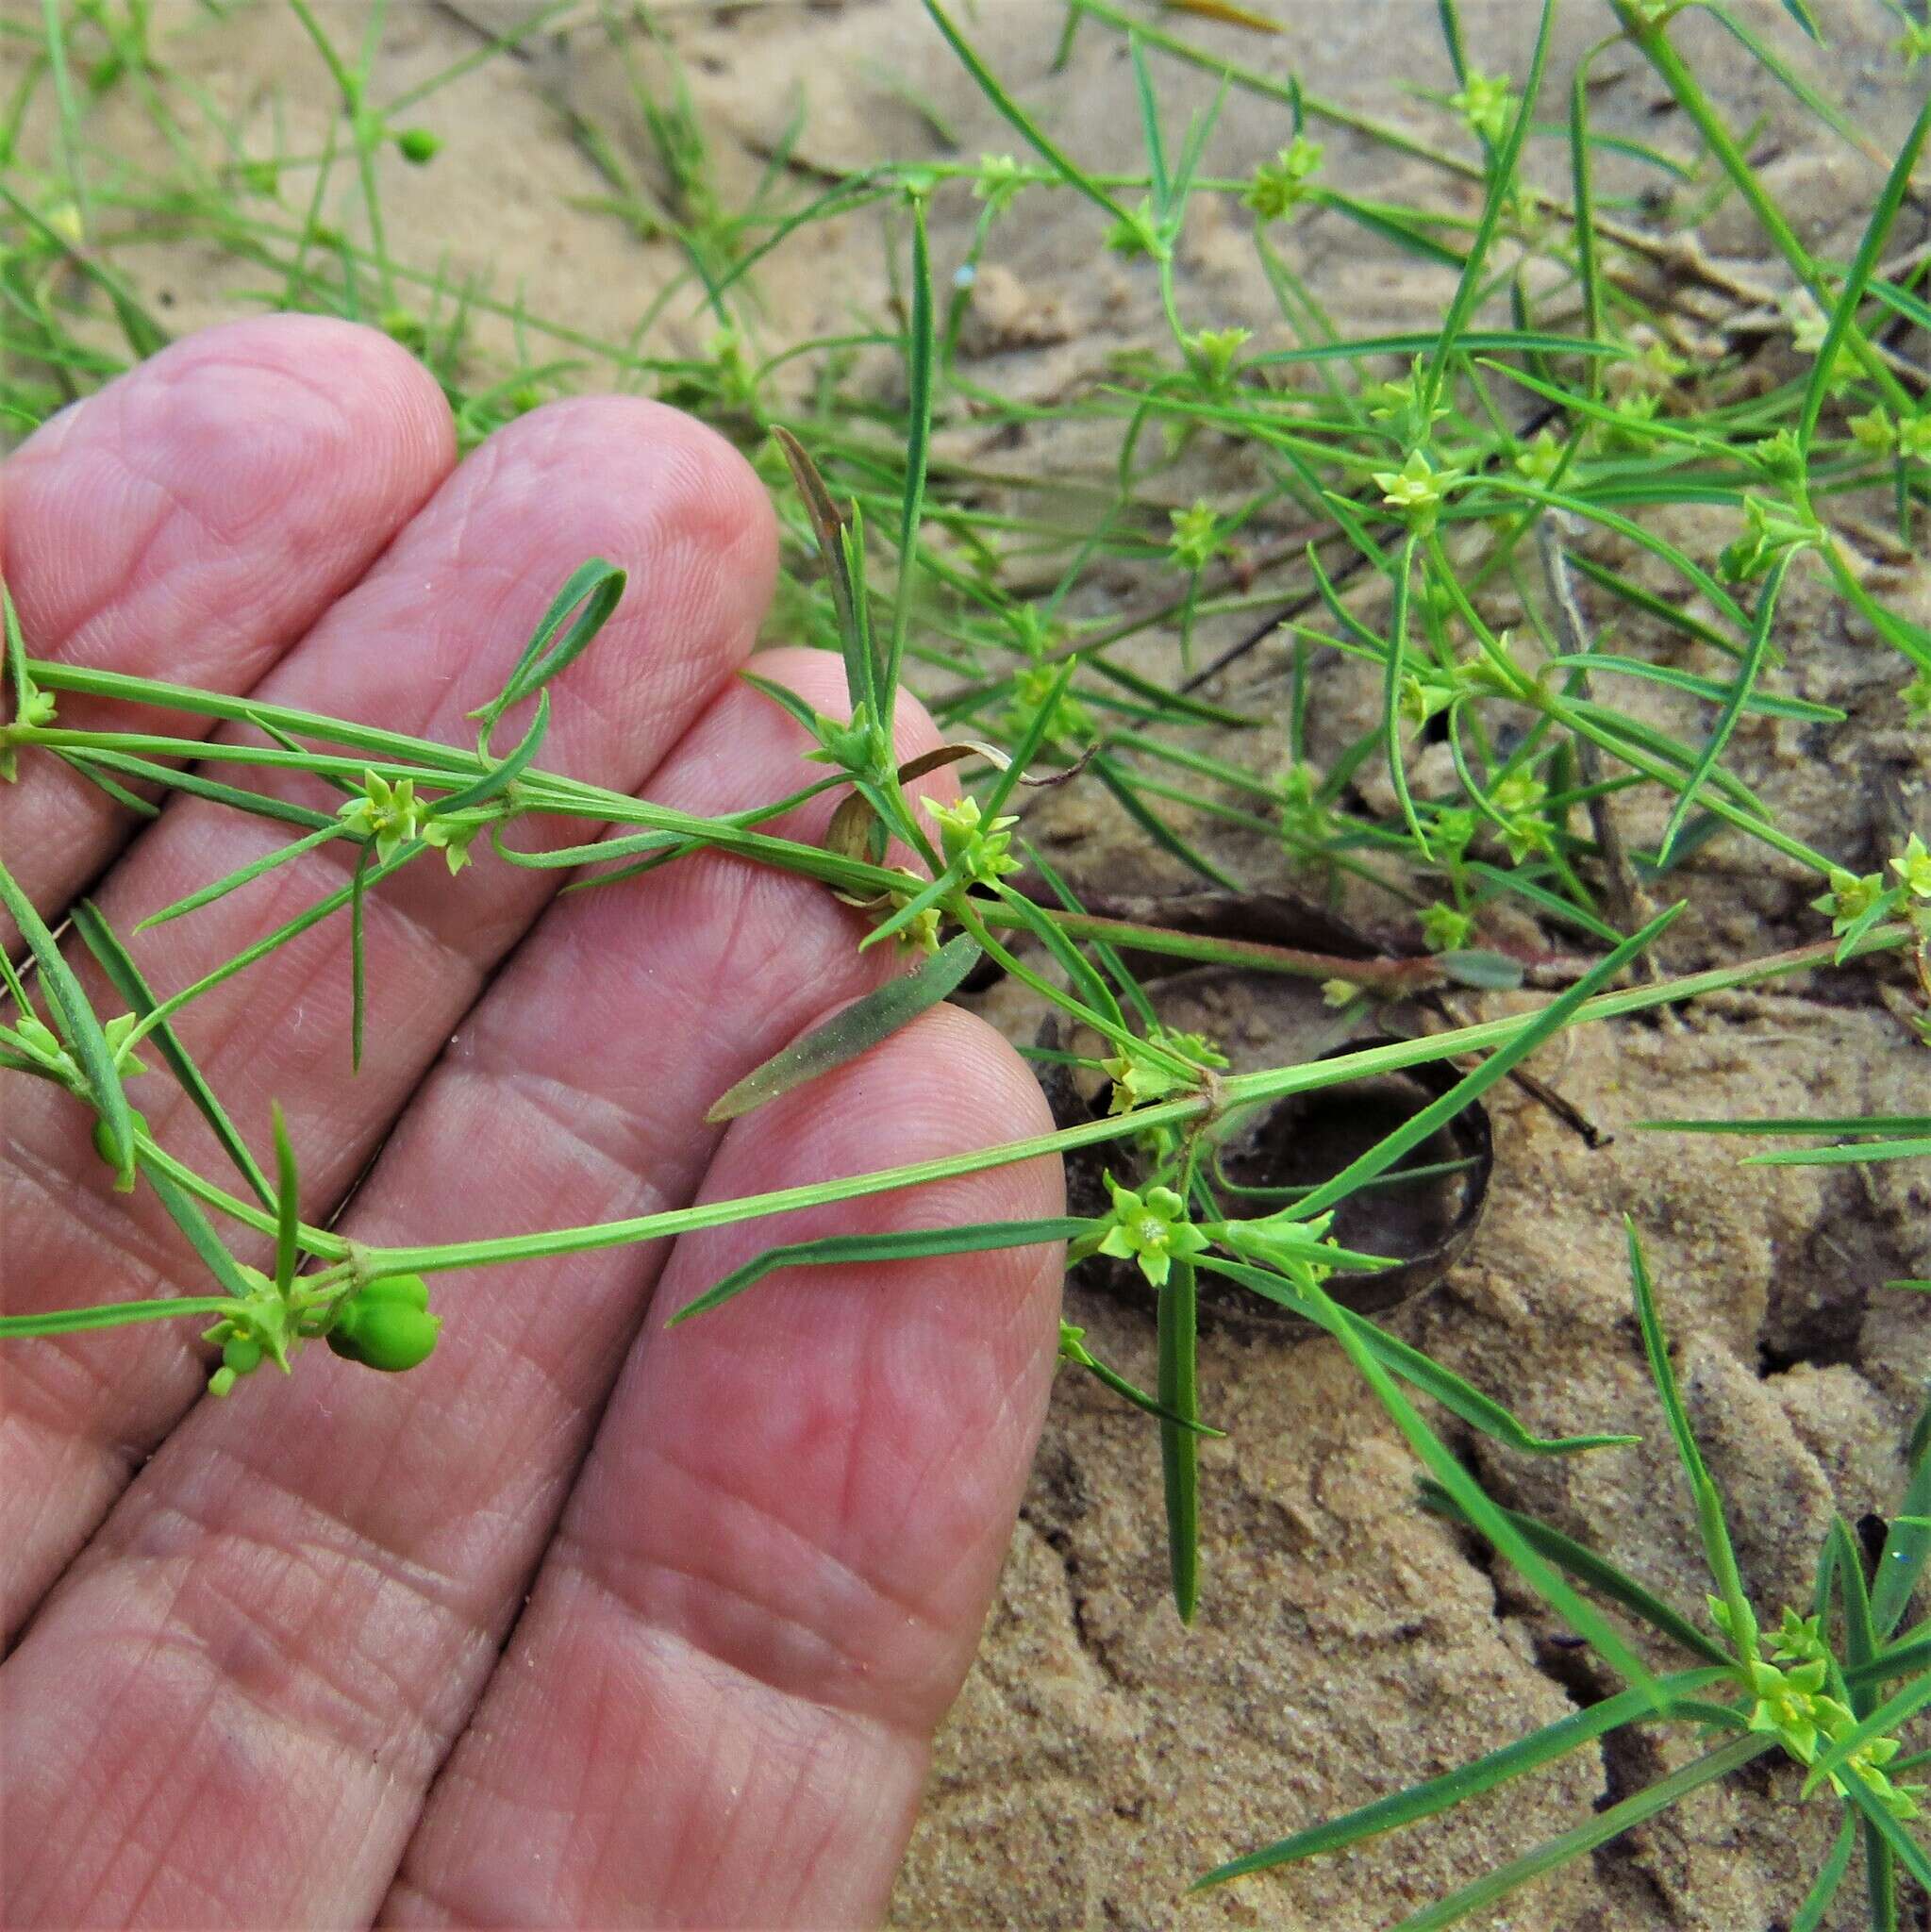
(979, 852)
(1280, 186)
(391, 816)
(1140, 1079)
(1789, 1701)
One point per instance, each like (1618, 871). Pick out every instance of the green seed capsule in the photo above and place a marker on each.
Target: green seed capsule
(386, 1324)
(241, 1354)
(403, 1291)
(104, 1147)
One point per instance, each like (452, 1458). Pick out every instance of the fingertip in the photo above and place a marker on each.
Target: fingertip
(227, 487)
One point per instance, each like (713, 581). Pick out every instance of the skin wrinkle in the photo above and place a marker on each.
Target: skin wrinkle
(631, 1574)
(806, 1726)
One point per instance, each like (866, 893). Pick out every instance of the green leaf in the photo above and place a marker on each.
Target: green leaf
(1179, 1391)
(1452, 1788)
(1766, 704)
(79, 1028)
(1485, 970)
(908, 1244)
(1421, 1371)
(597, 587)
(111, 1314)
(1584, 1838)
(1116, 780)
(1587, 271)
(243, 874)
(118, 964)
(1018, 120)
(1394, 664)
(1502, 174)
(828, 526)
(1817, 1901)
(1739, 692)
(1718, 1551)
(1844, 312)
(500, 777)
(856, 1029)
(918, 448)
(1582, 1563)
(359, 962)
(288, 1195)
(1908, 1546)
(1438, 1114)
(1117, 1383)
(202, 1237)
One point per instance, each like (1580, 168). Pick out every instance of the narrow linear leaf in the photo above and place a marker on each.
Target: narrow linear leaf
(1817, 1901)
(1581, 1562)
(1438, 1114)
(500, 777)
(288, 1194)
(1606, 1825)
(1019, 119)
(918, 447)
(594, 585)
(908, 1244)
(80, 1028)
(242, 876)
(118, 964)
(1465, 1781)
(358, 964)
(1740, 693)
(1421, 1372)
(1179, 1393)
(1844, 312)
(855, 1030)
(111, 1315)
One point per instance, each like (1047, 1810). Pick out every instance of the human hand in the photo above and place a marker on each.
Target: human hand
(583, 1622)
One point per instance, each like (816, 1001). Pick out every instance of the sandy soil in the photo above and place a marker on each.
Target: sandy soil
(1348, 1643)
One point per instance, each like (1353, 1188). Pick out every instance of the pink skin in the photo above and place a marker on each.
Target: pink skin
(283, 1672)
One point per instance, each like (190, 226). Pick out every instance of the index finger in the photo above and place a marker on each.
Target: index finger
(190, 521)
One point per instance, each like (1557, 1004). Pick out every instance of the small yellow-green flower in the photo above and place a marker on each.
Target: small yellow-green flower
(998, 181)
(1873, 431)
(977, 851)
(1150, 1228)
(1485, 105)
(1139, 1080)
(1280, 185)
(1540, 461)
(1196, 536)
(387, 816)
(1914, 867)
(1788, 1704)
(1444, 929)
(1849, 898)
(1417, 488)
(1212, 351)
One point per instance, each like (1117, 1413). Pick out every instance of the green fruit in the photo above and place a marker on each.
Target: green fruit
(104, 1147)
(241, 1354)
(386, 1324)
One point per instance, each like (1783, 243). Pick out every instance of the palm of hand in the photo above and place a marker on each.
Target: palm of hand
(582, 1623)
